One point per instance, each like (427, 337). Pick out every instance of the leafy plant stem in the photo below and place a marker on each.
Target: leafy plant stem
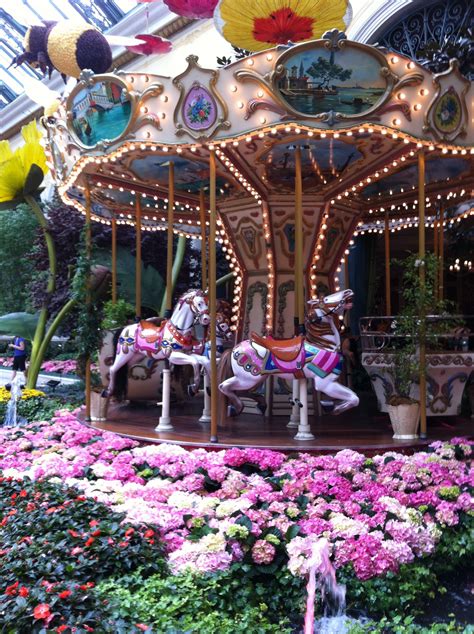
(43, 316)
(178, 261)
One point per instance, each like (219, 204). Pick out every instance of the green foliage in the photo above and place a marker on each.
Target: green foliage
(228, 602)
(17, 235)
(55, 544)
(153, 286)
(88, 326)
(415, 320)
(405, 625)
(37, 408)
(19, 325)
(117, 315)
(407, 591)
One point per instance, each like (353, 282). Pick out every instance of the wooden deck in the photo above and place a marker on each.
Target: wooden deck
(362, 429)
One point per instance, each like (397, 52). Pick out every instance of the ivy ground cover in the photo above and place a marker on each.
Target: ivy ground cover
(245, 520)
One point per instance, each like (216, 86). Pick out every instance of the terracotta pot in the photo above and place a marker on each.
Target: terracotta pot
(99, 406)
(405, 420)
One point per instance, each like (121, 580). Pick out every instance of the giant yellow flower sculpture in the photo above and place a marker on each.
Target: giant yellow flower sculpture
(23, 170)
(256, 25)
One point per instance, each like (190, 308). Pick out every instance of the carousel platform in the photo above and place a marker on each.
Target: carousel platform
(362, 429)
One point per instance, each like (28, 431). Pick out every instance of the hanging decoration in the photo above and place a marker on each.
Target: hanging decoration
(195, 9)
(256, 26)
(67, 47)
(150, 45)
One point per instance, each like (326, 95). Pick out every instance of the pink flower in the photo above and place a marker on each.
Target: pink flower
(263, 552)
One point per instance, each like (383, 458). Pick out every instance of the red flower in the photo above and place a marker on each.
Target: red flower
(141, 626)
(76, 550)
(64, 594)
(30, 507)
(88, 629)
(23, 592)
(80, 498)
(42, 611)
(89, 542)
(62, 628)
(73, 533)
(93, 523)
(129, 532)
(96, 533)
(11, 590)
(149, 533)
(23, 493)
(123, 544)
(87, 586)
(52, 509)
(283, 26)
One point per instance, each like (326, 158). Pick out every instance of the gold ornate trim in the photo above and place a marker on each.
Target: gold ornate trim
(212, 76)
(138, 118)
(333, 40)
(440, 92)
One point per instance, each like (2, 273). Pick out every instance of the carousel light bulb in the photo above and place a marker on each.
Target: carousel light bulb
(417, 106)
(260, 94)
(394, 59)
(396, 121)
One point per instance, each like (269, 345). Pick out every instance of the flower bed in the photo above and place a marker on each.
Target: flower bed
(55, 366)
(240, 514)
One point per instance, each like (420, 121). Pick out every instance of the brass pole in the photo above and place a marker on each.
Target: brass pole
(114, 260)
(212, 293)
(138, 258)
(441, 255)
(169, 253)
(388, 294)
(421, 256)
(88, 384)
(299, 278)
(202, 215)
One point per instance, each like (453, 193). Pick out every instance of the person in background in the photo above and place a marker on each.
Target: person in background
(19, 359)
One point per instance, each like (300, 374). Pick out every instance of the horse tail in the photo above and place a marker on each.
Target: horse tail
(224, 372)
(121, 376)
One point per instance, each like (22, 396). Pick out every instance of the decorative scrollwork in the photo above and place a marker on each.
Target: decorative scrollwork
(430, 23)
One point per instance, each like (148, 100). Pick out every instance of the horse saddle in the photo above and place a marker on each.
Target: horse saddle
(149, 331)
(285, 350)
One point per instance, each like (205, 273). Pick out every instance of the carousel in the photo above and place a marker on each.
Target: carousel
(281, 158)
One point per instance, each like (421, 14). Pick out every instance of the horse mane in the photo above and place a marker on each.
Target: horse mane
(317, 333)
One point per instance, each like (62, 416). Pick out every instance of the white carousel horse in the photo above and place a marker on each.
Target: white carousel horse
(172, 339)
(315, 356)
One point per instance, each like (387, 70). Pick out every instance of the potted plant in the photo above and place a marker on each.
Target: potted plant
(404, 411)
(423, 317)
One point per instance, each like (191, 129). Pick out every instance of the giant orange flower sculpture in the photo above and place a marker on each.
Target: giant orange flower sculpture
(256, 25)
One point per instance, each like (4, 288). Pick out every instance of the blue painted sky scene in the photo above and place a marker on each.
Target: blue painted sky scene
(318, 80)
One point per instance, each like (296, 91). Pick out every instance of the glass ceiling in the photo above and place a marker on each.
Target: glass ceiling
(17, 15)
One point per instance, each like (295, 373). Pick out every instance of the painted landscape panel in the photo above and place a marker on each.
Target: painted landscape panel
(318, 80)
(100, 112)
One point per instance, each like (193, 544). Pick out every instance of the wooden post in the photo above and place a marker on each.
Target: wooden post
(202, 216)
(212, 293)
(138, 258)
(421, 256)
(169, 253)
(114, 260)
(299, 277)
(441, 255)
(88, 383)
(388, 293)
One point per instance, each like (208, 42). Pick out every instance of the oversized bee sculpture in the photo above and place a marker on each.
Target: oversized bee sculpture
(68, 47)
